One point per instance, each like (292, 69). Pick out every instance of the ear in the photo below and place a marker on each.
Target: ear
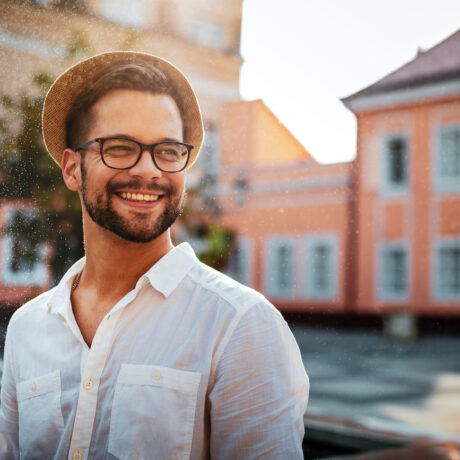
(70, 166)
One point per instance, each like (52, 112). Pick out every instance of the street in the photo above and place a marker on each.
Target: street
(363, 377)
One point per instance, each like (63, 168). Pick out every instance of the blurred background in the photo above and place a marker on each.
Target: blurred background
(329, 180)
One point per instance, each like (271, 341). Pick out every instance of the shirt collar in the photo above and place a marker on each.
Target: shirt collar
(172, 268)
(59, 301)
(164, 276)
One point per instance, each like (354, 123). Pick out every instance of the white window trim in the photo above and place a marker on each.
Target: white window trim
(37, 276)
(441, 185)
(270, 244)
(387, 189)
(133, 15)
(205, 33)
(245, 247)
(382, 294)
(439, 244)
(311, 241)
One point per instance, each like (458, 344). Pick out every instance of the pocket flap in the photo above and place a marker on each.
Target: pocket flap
(141, 374)
(39, 385)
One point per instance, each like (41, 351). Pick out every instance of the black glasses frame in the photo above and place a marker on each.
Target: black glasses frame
(142, 147)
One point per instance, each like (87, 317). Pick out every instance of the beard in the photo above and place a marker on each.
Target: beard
(139, 227)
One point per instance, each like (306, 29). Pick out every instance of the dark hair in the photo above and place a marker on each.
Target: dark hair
(136, 75)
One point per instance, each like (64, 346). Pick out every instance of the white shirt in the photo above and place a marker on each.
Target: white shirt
(190, 364)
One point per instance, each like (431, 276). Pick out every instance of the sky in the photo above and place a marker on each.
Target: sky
(302, 56)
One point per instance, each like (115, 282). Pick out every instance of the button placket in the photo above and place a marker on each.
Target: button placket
(87, 400)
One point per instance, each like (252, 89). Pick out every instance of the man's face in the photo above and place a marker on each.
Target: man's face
(147, 118)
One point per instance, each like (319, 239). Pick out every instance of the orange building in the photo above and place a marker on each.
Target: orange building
(379, 235)
(408, 186)
(291, 215)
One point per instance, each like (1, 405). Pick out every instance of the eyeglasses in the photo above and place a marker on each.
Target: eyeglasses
(122, 153)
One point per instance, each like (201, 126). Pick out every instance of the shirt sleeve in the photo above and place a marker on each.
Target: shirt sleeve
(9, 448)
(260, 391)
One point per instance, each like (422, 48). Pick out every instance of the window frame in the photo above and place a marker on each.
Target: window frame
(381, 277)
(37, 276)
(310, 242)
(124, 20)
(388, 188)
(437, 293)
(442, 184)
(269, 275)
(244, 246)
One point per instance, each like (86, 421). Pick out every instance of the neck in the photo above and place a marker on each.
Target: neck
(114, 265)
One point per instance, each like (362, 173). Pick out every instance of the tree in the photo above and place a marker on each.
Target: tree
(27, 172)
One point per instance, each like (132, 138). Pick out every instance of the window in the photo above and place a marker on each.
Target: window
(395, 168)
(447, 270)
(392, 273)
(130, 14)
(279, 270)
(209, 158)
(239, 267)
(321, 262)
(206, 33)
(208, 166)
(448, 158)
(22, 258)
(41, 2)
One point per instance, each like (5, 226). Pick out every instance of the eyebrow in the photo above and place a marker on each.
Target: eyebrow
(125, 136)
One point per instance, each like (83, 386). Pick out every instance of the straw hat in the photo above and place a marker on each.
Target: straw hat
(69, 85)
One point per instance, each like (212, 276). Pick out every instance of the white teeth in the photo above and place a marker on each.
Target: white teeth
(138, 196)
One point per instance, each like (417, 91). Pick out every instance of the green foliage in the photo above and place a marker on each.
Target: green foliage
(201, 225)
(79, 44)
(219, 243)
(27, 171)
(130, 40)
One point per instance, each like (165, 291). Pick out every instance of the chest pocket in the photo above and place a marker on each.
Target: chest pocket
(153, 412)
(40, 415)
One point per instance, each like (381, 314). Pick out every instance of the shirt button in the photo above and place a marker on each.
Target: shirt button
(88, 384)
(157, 375)
(33, 387)
(76, 455)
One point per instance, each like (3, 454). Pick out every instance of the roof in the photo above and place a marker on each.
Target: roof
(440, 63)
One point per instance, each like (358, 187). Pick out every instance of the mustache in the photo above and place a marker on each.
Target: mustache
(139, 185)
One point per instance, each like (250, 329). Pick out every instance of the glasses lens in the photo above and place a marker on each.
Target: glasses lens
(120, 153)
(171, 156)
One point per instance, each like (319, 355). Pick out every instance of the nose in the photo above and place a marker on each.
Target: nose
(145, 167)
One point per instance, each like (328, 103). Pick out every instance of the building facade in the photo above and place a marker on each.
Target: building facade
(408, 186)
(377, 236)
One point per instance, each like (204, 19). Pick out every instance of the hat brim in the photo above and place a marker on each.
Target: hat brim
(69, 85)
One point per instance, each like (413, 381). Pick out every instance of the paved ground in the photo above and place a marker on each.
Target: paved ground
(409, 388)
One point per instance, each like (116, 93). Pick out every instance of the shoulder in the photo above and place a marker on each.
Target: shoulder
(221, 287)
(33, 307)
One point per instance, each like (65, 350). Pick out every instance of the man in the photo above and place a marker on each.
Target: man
(141, 351)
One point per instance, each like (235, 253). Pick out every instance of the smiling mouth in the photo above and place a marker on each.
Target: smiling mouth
(138, 196)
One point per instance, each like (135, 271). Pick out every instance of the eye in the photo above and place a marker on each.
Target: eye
(170, 152)
(119, 147)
